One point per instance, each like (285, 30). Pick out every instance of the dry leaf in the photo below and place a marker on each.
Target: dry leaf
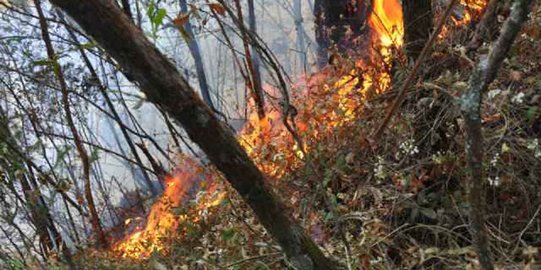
(181, 20)
(218, 8)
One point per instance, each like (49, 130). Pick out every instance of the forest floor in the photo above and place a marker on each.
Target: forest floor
(398, 202)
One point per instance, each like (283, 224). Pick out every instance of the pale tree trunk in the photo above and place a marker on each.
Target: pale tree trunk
(193, 46)
(301, 50)
(165, 87)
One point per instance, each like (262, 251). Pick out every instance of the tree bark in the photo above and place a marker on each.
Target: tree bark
(127, 9)
(483, 75)
(165, 87)
(418, 24)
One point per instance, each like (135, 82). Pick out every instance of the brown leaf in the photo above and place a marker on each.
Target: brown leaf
(181, 20)
(218, 8)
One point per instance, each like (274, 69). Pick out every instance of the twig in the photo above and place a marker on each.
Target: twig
(526, 227)
(251, 259)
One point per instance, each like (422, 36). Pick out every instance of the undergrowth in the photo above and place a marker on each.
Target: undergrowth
(395, 202)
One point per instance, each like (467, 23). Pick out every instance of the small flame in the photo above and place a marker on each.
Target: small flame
(166, 216)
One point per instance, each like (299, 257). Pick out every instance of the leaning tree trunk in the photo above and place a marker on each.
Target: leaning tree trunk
(418, 23)
(165, 87)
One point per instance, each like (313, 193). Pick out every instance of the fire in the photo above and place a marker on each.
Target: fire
(472, 9)
(323, 103)
(166, 217)
(387, 21)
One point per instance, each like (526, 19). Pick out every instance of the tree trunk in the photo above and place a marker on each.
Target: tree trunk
(252, 61)
(256, 61)
(165, 87)
(193, 46)
(339, 24)
(482, 76)
(127, 9)
(418, 24)
(301, 50)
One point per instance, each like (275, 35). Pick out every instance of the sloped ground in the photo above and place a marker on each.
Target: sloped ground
(395, 202)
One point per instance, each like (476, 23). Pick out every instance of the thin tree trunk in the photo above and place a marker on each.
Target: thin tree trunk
(85, 160)
(255, 80)
(483, 75)
(418, 24)
(165, 87)
(255, 54)
(193, 46)
(301, 50)
(321, 34)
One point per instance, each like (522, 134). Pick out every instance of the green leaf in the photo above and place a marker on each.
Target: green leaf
(94, 155)
(150, 11)
(88, 45)
(228, 234)
(158, 19)
(43, 62)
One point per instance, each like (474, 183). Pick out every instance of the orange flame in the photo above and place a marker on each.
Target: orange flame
(162, 221)
(324, 104)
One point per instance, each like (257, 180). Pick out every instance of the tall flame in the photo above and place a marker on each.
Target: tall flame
(387, 22)
(323, 103)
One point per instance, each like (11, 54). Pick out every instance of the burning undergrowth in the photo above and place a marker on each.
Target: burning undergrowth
(376, 206)
(190, 192)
